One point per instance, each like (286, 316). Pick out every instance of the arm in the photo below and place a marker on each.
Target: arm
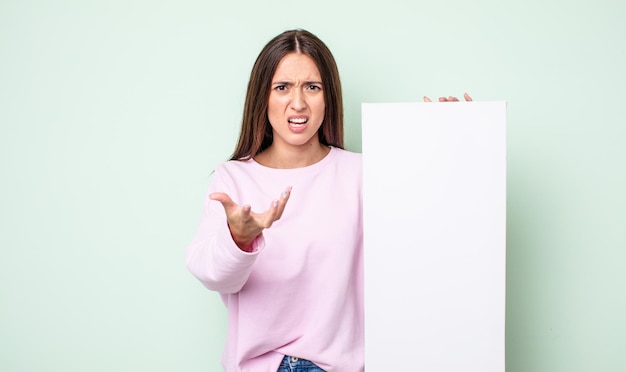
(214, 258)
(229, 238)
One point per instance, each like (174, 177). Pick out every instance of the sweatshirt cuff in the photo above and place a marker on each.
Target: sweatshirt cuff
(226, 238)
(257, 244)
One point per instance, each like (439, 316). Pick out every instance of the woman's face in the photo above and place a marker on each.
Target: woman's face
(296, 102)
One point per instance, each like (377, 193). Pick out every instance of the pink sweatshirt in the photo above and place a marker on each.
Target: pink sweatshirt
(300, 291)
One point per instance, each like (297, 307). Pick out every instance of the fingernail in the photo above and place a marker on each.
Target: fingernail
(275, 204)
(284, 194)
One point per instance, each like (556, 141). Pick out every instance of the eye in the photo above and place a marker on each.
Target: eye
(314, 87)
(280, 87)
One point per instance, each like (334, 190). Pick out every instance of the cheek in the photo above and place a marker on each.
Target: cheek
(272, 103)
(274, 107)
(317, 103)
(321, 108)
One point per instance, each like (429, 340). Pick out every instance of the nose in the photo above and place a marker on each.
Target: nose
(298, 101)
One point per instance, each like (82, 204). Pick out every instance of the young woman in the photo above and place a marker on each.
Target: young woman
(291, 276)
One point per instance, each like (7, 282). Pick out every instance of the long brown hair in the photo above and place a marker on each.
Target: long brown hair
(256, 131)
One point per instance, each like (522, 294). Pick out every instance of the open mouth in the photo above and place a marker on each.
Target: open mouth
(297, 121)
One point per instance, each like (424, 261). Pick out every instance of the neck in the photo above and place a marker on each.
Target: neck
(290, 157)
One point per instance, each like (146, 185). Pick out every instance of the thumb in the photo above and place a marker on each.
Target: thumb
(223, 198)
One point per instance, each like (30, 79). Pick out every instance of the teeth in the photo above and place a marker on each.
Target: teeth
(298, 121)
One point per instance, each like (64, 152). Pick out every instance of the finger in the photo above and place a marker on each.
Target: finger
(426, 99)
(275, 211)
(270, 215)
(246, 212)
(282, 202)
(453, 99)
(443, 99)
(223, 198)
(467, 97)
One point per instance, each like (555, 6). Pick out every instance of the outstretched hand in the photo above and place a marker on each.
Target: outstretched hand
(246, 225)
(450, 98)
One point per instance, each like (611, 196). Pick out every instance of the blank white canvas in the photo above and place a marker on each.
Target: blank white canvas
(434, 220)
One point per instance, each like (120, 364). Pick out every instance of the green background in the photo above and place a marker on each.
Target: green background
(113, 114)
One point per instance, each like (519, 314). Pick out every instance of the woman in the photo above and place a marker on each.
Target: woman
(291, 276)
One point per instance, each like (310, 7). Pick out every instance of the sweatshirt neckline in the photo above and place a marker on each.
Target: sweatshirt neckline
(319, 164)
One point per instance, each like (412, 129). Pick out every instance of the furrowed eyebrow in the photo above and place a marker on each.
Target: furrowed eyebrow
(290, 83)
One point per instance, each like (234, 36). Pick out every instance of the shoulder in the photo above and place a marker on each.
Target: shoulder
(234, 169)
(347, 158)
(231, 166)
(347, 170)
(347, 166)
(346, 155)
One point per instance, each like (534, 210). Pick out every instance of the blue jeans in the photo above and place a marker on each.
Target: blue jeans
(293, 364)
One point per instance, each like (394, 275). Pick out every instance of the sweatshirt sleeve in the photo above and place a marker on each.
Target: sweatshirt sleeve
(212, 256)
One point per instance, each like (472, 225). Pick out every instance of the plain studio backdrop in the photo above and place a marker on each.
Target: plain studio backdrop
(114, 113)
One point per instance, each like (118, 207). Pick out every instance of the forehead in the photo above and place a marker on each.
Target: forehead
(297, 66)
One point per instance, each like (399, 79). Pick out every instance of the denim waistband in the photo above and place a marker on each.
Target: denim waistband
(295, 364)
